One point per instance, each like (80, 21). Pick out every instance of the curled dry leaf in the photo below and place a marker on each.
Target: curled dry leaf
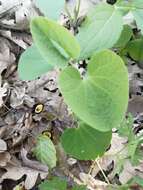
(16, 172)
(31, 163)
(3, 93)
(3, 146)
(6, 57)
(4, 159)
(23, 10)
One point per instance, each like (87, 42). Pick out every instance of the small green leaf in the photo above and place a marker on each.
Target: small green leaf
(101, 30)
(51, 9)
(124, 37)
(54, 184)
(134, 151)
(126, 128)
(55, 43)
(99, 99)
(45, 151)
(134, 48)
(81, 187)
(32, 64)
(85, 142)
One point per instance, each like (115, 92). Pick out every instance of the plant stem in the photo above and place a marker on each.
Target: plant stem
(99, 166)
(77, 10)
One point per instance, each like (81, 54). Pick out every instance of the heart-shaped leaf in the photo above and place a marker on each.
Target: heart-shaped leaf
(100, 30)
(85, 142)
(55, 43)
(32, 64)
(99, 99)
(45, 151)
(134, 48)
(51, 9)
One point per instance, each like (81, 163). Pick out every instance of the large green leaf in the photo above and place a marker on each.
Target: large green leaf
(101, 30)
(135, 49)
(99, 99)
(32, 64)
(51, 8)
(55, 43)
(45, 151)
(85, 142)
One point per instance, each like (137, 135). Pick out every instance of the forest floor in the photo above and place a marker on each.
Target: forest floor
(21, 122)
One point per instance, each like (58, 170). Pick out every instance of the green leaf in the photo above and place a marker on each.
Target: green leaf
(51, 9)
(134, 48)
(101, 30)
(99, 99)
(81, 187)
(85, 142)
(54, 184)
(55, 43)
(58, 184)
(32, 64)
(135, 152)
(124, 37)
(45, 151)
(126, 128)
(137, 180)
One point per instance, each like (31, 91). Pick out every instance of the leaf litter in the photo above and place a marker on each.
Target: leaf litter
(20, 125)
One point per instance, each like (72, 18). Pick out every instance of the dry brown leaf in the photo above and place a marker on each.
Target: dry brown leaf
(135, 105)
(23, 11)
(4, 159)
(6, 57)
(3, 146)
(16, 172)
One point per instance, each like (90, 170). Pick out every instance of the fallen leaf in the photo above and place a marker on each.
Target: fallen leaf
(3, 146)
(16, 172)
(4, 158)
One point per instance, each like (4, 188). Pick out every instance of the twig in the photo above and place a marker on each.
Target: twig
(99, 166)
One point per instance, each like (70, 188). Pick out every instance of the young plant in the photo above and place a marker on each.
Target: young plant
(99, 98)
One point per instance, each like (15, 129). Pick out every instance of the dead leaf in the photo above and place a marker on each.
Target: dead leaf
(3, 146)
(23, 10)
(135, 105)
(4, 159)
(16, 172)
(6, 57)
